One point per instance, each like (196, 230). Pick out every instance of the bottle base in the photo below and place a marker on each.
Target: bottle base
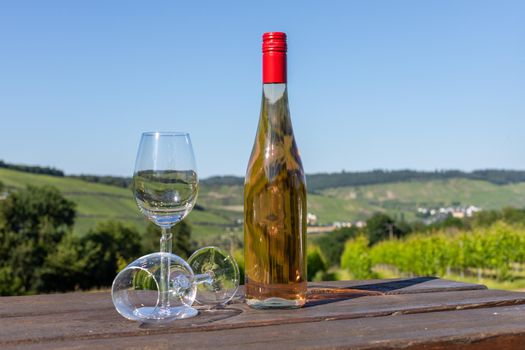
(275, 303)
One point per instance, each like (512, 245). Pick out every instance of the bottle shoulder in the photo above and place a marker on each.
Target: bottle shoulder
(274, 174)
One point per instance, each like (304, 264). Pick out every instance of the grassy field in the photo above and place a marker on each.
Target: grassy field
(96, 202)
(223, 204)
(403, 198)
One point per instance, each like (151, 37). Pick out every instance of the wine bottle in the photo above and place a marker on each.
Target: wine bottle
(275, 196)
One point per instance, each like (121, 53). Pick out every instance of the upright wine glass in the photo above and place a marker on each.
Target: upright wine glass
(165, 185)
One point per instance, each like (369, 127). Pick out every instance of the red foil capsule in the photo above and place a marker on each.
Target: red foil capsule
(274, 57)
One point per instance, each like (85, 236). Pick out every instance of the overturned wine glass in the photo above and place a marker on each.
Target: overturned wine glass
(211, 276)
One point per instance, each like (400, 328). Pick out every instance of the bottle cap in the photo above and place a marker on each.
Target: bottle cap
(274, 41)
(274, 57)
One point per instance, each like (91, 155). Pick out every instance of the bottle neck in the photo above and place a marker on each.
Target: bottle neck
(275, 120)
(273, 93)
(274, 67)
(275, 114)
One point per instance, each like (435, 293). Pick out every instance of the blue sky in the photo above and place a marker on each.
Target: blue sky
(372, 84)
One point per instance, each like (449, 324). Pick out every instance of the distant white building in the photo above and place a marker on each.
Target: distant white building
(471, 210)
(311, 219)
(458, 214)
(339, 224)
(423, 211)
(360, 224)
(438, 214)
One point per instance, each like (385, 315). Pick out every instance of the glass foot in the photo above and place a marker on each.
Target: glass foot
(217, 275)
(157, 315)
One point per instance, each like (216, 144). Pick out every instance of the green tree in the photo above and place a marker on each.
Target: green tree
(356, 258)
(486, 218)
(65, 268)
(10, 284)
(513, 215)
(332, 244)
(92, 260)
(32, 223)
(106, 248)
(509, 215)
(450, 223)
(381, 226)
(314, 262)
(39, 213)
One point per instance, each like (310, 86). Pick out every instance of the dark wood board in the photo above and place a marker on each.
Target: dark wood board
(88, 320)
(499, 328)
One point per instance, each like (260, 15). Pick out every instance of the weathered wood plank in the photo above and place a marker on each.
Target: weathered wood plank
(501, 328)
(71, 302)
(46, 304)
(106, 323)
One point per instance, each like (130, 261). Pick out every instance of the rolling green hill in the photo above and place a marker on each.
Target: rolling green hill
(221, 201)
(97, 202)
(405, 197)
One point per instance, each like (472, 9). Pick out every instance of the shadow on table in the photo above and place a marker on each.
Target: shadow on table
(393, 285)
(320, 295)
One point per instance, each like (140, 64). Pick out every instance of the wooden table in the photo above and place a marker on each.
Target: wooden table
(414, 313)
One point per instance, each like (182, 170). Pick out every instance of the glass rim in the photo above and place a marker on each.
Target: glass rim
(166, 133)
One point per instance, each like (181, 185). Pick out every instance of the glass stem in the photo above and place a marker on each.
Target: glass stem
(165, 247)
(204, 278)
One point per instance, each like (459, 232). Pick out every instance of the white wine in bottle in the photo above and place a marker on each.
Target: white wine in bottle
(275, 196)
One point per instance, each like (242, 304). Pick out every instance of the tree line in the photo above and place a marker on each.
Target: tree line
(316, 182)
(322, 181)
(118, 181)
(40, 253)
(33, 169)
